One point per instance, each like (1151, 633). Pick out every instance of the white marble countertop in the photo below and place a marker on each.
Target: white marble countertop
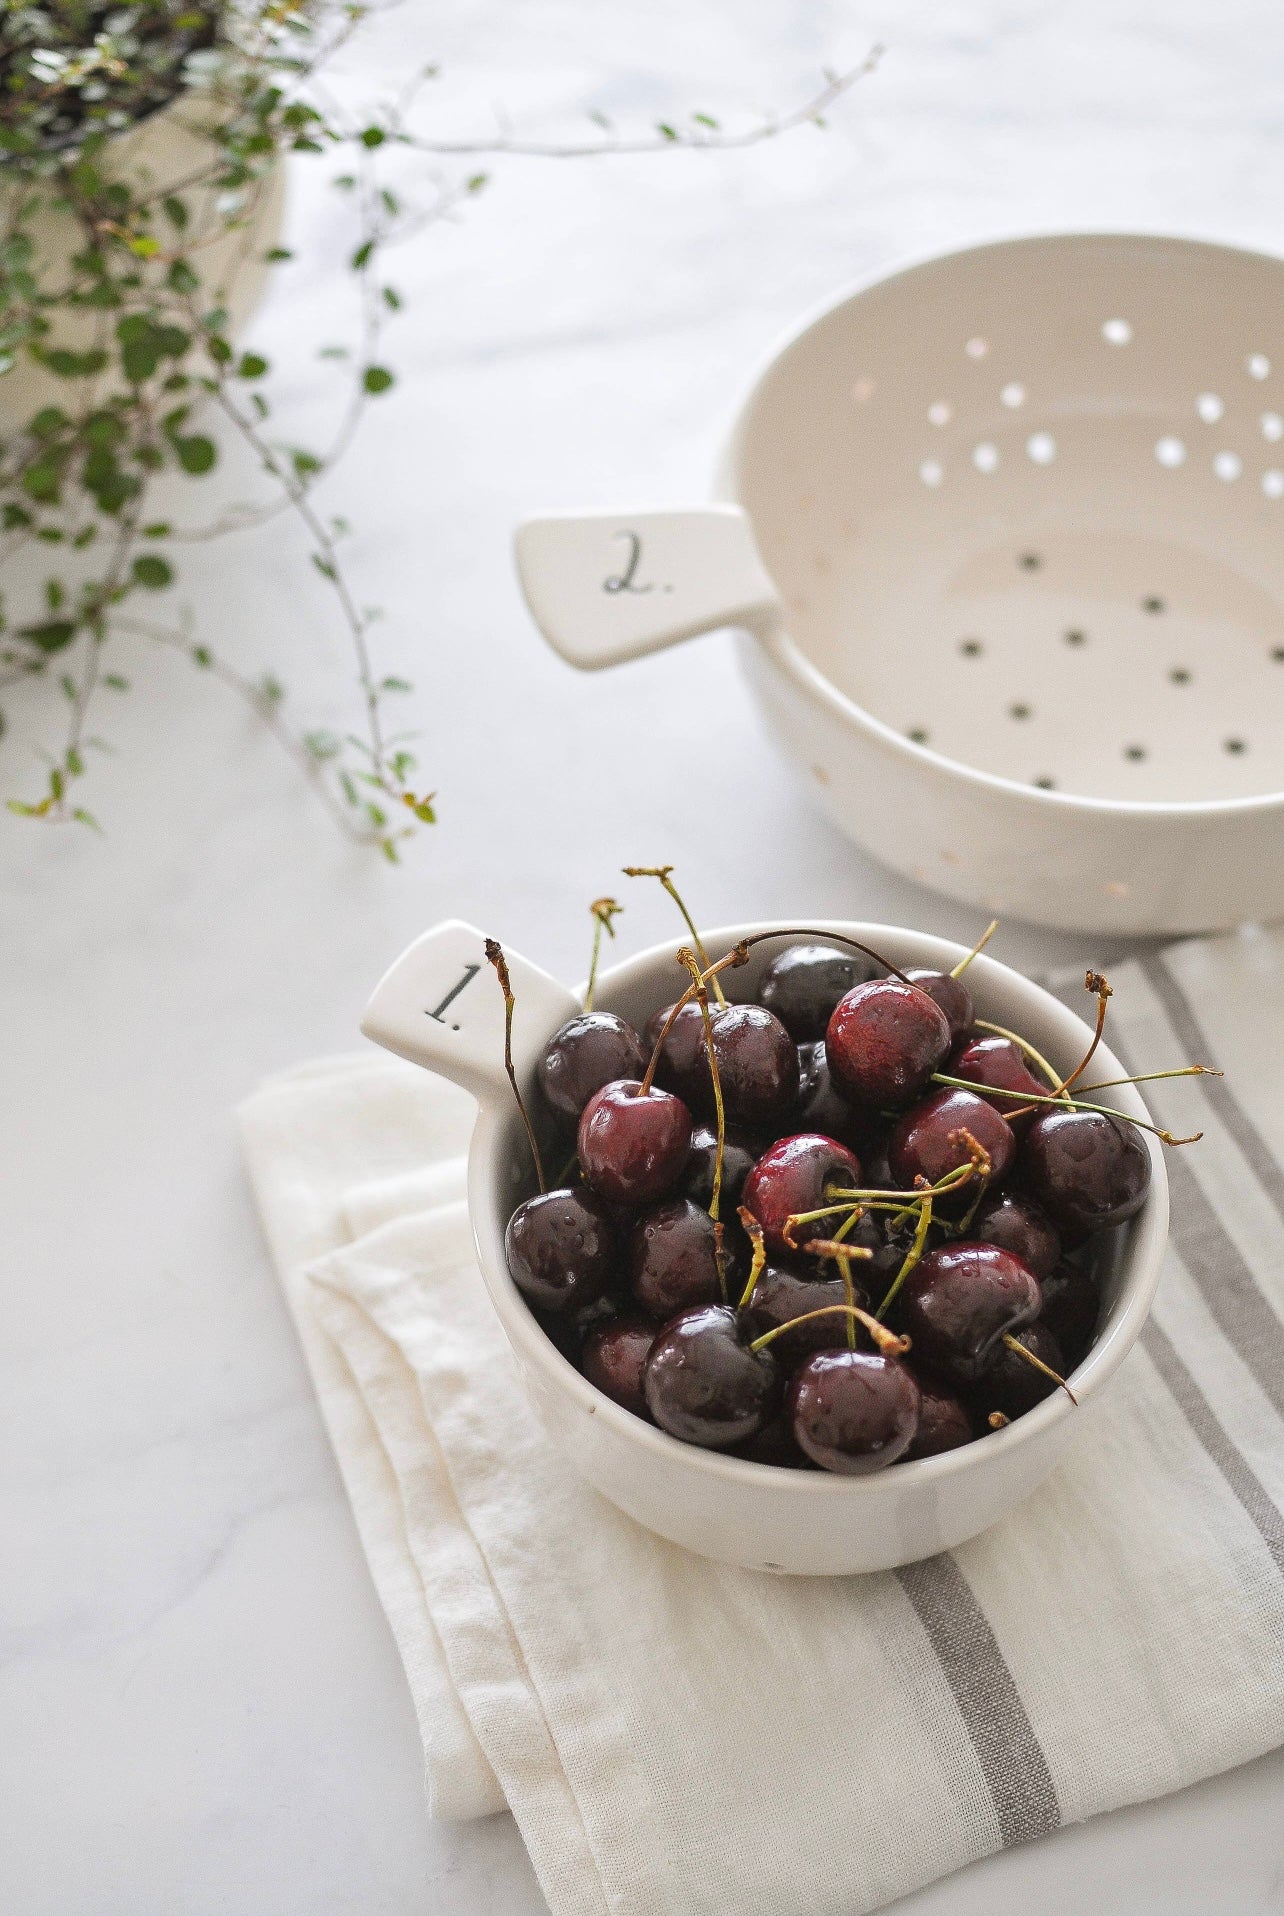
(200, 1706)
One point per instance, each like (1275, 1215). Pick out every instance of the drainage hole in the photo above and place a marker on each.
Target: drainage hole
(1029, 561)
(1134, 752)
(917, 735)
(1046, 784)
(1152, 604)
(1179, 675)
(1019, 711)
(1277, 653)
(971, 648)
(1076, 637)
(1235, 746)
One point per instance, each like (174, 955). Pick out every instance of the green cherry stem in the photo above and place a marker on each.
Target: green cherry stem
(911, 1258)
(886, 1341)
(1031, 1098)
(665, 875)
(688, 958)
(842, 1254)
(977, 949)
(759, 1256)
(495, 953)
(603, 911)
(1023, 1044)
(1150, 1077)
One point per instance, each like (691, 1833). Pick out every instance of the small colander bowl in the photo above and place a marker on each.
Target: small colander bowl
(1005, 534)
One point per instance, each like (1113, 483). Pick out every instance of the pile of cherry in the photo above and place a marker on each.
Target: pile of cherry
(866, 1236)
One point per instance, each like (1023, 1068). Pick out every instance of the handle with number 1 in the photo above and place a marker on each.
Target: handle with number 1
(440, 1006)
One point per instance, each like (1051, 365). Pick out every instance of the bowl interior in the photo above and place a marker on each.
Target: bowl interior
(1024, 505)
(500, 1176)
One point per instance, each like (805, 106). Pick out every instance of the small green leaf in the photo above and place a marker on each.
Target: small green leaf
(392, 298)
(361, 258)
(116, 681)
(376, 379)
(143, 246)
(252, 366)
(151, 571)
(665, 131)
(175, 211)
(372, 136)
(196, 454)
(159, 529)
(202, 656)
(82, 817)
(275, 253)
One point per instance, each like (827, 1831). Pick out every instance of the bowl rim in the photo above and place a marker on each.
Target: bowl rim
(1142, 1256)
(789, 657)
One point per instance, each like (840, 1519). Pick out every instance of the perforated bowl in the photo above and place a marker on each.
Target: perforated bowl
(1007, 532)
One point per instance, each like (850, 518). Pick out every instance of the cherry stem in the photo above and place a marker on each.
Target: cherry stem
(1149, 1077)
(495, 953)
(1023, 1044)
(563, 1175)
(1093, 981)
(977, 948)
(759, 1257)
(688, 958)
(732, 959)
(830, 937)
(997, 1420)
(911, 1258)
(665, 875)
(1029, 1099)
(887, 1341)
(1015, 1345)
(603, 911)
(825, 1247)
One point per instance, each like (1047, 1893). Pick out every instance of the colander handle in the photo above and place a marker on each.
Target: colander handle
(604, 587)
(440, 1005)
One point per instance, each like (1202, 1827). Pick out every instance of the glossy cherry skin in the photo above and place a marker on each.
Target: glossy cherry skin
(614, 1358)
(803, 983)
(1019, 1226)
(1011, 1385)
(781, 1295)
(988, 1060)
(757, 1063)
(584, 1054)
(684, 1063)
(854, 1411)
(1071, 1306)
(632, 1144)
(943, 1419)
(951, 994)
(703, 1383)
(960, 1300)
(739, 1155)
(884, 1041)
(671, 1259)
(1087, 1170)
(926, 1141)
(794, 1175)
(561, 1249)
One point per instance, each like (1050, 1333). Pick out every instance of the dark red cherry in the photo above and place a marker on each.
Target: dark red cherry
(1011, 1385)
(822, 1107)
(958, 1302)
(781, 1295)
(1087, 1169)
(774, 1444)
(614, 1358)
(803, 983)
(854, 1411)
(884, 1041)
(757, 1063)
(1071, 1306)
(740, 1153)
(1019, 1226)
(584, 1054)
(943, 1420)
(632, 1143)
(951, 994)
(928, 1143)
(993, 1061)
(671, 1259)
(684, 1063)
(561, 1249)
(794, 1175)
(703, 1383)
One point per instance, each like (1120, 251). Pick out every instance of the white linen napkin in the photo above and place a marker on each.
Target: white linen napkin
(677, 1738)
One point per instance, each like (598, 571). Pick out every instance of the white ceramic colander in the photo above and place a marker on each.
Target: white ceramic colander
(1007, 529)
